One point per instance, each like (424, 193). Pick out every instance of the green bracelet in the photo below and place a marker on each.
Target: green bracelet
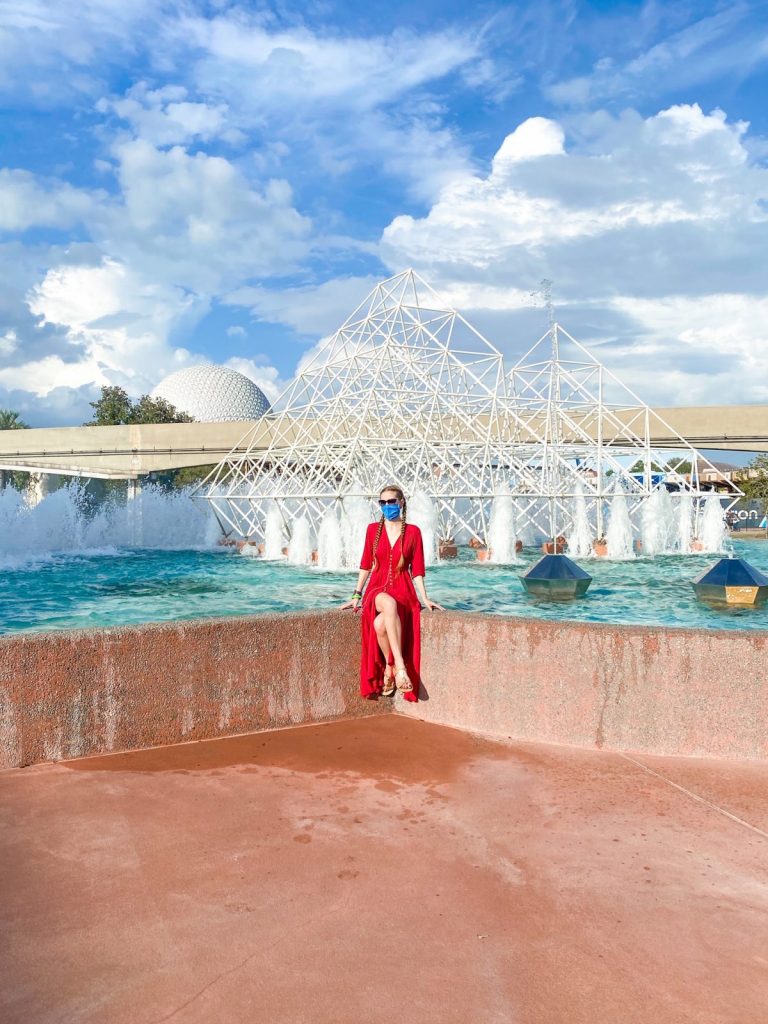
(357, 594)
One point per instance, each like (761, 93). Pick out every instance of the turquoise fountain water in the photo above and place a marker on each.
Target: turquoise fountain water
(159, 561)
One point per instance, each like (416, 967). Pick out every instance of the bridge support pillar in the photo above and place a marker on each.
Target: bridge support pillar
(134, 489)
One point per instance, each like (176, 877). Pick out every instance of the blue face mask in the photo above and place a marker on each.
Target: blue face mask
(391, 512)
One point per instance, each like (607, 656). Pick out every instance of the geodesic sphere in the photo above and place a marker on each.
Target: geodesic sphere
(211, 393)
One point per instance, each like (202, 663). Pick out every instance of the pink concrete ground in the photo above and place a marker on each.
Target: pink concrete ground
(384, 871)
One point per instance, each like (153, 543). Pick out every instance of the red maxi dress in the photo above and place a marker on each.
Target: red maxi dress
(385, 577)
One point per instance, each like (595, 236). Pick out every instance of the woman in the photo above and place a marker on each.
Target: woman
(391, 652)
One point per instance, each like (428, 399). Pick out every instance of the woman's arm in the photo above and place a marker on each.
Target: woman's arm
(355, 600)
(418, 582)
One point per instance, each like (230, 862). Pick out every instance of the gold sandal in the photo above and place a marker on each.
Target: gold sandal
(402, 682)
(389, 682)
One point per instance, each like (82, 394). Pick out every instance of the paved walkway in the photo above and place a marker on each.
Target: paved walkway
(383, 871)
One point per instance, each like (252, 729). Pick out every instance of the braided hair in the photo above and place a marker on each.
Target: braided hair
(401, 564)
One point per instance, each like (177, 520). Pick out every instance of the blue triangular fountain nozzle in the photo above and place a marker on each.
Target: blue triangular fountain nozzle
(731, 581)
(557, 578)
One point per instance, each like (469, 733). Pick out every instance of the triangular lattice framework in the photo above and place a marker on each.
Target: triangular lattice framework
(585, 432)
(408, 391)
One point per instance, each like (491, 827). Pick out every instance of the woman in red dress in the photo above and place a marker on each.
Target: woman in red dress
(394, 556)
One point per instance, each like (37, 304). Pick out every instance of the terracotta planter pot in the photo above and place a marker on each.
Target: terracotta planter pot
(557, 546)
(600, 548)
(483, 554)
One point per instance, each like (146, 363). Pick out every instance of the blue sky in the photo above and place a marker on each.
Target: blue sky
(183, 181)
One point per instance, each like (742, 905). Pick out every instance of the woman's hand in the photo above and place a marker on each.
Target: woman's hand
(433, 606)
(353, 603)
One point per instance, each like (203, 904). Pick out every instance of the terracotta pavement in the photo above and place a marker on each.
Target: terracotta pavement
(383, 871)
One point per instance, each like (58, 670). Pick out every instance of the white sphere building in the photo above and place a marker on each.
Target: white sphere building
(211, 393)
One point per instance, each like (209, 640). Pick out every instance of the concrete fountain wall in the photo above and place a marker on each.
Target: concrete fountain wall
(69, 694)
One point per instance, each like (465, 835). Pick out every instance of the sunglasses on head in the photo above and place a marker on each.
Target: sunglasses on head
(388, 501)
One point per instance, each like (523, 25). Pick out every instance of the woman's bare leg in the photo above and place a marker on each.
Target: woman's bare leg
(381, 635)
(388, 608)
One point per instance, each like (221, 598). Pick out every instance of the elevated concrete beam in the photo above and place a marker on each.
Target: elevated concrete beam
(126, 452)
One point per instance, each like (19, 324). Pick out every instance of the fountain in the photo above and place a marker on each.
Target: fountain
(713, 531)
(501, 529)
(580, 537)
(69, 520)
(330, 547)
(685, 524)
(421, 512)
(300, 545)
(658, 523)
(274, 542)
(618, 536)
(356, 515)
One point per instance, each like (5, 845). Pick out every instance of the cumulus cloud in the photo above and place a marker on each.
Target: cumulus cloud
(652, 229)
(27, 201)
(167, 117)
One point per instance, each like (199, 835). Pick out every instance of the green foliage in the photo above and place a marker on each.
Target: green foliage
(115, 407)
(756, 487)
(639, 467)
(10, 420)
(189, 475)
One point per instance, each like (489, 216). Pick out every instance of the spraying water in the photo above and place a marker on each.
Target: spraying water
(659, 525)
(274, 541)
(619, 533)
(501, 529)
(300, 547)
(421, 512)
(330, 549)
(355, 518)
(580, 538)
(65, 521)
(713, 531)
(685, 524)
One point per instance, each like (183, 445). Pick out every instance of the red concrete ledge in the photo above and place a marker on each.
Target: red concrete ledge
(662, 691)
(73, 693)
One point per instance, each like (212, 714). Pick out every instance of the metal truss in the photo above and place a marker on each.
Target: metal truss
(408, 392)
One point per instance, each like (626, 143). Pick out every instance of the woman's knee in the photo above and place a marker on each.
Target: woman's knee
(380, 625)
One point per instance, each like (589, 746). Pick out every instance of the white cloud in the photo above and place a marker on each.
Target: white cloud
(195, 220)
(726, 43)
(653, 231)
(121, 321)
(166, 117)
(8, 343)
(27, 201)
(262, 374)
(308, 309)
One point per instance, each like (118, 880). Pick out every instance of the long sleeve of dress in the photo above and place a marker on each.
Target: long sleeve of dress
(366, 562)
(417, 558)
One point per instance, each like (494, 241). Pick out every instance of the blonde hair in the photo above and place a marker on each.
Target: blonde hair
(399, 492)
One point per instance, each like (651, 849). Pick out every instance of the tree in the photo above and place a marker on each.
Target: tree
(157, 410)
(756, 487)
(10, 420)
(115, 407)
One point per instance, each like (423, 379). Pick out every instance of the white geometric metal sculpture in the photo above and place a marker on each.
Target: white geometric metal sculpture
(408, 391)
(583, 435)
